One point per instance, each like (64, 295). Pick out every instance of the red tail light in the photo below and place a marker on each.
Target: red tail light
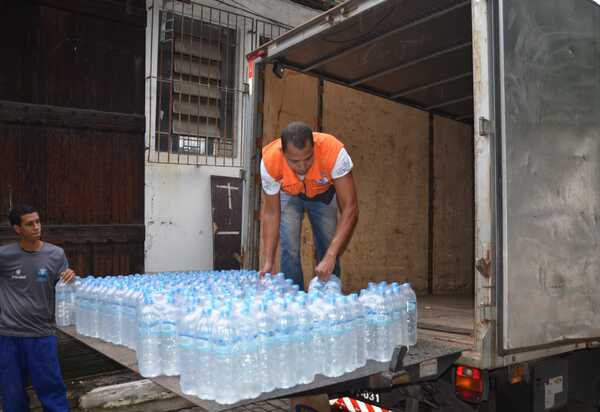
(468, 384)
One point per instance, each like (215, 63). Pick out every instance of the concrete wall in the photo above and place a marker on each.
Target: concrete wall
(177, 197)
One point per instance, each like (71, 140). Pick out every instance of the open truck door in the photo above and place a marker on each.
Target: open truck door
(547, 120)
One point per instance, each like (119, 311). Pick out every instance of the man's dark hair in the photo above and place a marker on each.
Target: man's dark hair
(14, 216)
(297, 133)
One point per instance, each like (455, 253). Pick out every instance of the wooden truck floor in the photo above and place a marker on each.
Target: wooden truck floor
(447, 317)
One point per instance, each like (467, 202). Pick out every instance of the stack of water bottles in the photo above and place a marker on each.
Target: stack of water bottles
(232, 335)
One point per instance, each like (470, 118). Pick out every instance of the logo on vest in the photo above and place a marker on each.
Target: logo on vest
(323, 180)
(42, 275)
(18, 275)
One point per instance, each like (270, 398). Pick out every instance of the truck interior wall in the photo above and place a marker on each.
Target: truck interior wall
(390, 147)
(388, 143)
(453, 207)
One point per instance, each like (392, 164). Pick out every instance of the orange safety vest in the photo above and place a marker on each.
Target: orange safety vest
(318, 178)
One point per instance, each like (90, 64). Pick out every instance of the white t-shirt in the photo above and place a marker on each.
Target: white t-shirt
(343, 165)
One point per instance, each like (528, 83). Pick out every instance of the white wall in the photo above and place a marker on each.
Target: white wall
(177, 197)
(178, 216)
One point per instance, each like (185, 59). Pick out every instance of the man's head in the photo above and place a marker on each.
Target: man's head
(25, 220)
(297, 144)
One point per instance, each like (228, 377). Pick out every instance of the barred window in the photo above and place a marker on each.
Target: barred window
(197, 76)
(196, 87)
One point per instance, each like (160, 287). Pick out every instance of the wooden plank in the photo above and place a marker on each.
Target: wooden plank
(55, 116)
(388, 143)
(453, 207)
(64, 58)
(447, 313)
(130, 12)
(81, 234)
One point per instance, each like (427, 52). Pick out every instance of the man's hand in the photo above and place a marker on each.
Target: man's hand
(267, 268)
(68, 275)
(325, 267)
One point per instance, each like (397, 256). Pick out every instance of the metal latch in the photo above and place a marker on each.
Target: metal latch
(485, 126)
(487, 312)
(245, 88)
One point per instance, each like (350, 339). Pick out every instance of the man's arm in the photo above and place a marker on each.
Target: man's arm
(271, 216)
(348, 205)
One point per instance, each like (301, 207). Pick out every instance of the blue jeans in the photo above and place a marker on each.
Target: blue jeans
(35, 358)
(323, 220)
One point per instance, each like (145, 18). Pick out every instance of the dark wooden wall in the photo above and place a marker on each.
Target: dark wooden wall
(72, 135)
(72, 126)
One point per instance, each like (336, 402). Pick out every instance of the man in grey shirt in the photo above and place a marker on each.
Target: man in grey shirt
(29, 271)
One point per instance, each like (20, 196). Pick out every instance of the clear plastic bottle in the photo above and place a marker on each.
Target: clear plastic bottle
(360, 331)
(398, 316)
(168, 347)
(149, 327)
(94, 310)
(265, 333)
(332, 285)
(319, 332)
(225, 344)
(203, 375)
(411, 313)
(334, 359)
(282, 351)
(382, 321)
(249, 386)
(61, 302)
(348, 348)
(367, 300)
(185, 349)
(305, 368)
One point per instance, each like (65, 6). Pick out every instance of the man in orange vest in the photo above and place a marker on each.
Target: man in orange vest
(312, 172)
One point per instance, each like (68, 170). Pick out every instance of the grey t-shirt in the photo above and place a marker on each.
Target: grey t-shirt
(27, 281)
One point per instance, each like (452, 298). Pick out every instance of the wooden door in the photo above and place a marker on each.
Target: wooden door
(227, 221)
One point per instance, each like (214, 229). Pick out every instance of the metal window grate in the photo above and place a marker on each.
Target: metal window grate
(196, 87)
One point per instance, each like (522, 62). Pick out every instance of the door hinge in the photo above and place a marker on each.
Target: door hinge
(485, 126)
(487, 312)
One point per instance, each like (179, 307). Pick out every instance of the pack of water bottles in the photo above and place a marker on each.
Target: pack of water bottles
(232, 335)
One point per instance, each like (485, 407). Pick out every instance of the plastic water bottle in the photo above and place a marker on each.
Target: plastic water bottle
(319, 332)
(249, 386)
(168, 346)
(367, 300)
(186, 352)
(382, 327)
(359, 327)
(282, 350)
(334, 360)
(265, 333)
(332, 285)
(112, 315)
(61, 303)
(149, 327)
(411, 313)
(224, 343)
(398, 305)
(203, 376)
(348, 348)
(304, 335)
(94, 312)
